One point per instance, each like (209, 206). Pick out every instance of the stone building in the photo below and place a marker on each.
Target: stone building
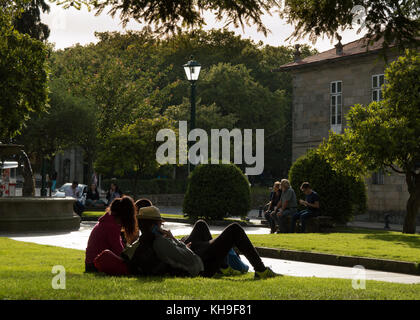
(325, 86)
(70, 166)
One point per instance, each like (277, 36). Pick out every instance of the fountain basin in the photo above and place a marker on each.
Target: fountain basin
(23, 214)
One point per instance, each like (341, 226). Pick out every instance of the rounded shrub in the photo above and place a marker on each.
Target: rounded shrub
(215, 191)
(341, 196)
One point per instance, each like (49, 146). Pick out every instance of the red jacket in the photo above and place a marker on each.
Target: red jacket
(105, 235)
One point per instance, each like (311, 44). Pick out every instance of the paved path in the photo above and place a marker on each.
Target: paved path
(78, 240)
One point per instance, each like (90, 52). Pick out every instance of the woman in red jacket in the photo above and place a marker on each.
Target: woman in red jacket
(106, 235)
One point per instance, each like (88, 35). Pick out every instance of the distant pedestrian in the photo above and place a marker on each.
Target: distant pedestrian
(53, 181)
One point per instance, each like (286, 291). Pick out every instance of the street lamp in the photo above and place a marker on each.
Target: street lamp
(192, 71)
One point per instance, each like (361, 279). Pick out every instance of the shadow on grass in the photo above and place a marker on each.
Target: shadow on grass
(413, 242)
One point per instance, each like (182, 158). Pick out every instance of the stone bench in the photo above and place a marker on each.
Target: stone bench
(313, 225)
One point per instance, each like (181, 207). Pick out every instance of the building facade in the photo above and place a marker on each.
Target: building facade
(325, 86)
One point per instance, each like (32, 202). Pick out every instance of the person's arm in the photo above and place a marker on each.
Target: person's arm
(115, 241)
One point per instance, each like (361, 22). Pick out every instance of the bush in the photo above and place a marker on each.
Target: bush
(342, 196)
(215, 191)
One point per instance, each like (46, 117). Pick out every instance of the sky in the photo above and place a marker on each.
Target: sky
(71, 26)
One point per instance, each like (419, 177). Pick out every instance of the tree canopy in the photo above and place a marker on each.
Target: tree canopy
(172, 15)
(24, 74)
(395, 21)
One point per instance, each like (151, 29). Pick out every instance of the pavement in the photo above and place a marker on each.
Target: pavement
(78, 240)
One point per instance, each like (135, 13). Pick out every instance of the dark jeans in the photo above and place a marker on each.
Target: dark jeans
(282, 220)
(270, 216)
(78, 207)
(303, 216)
(213, 252)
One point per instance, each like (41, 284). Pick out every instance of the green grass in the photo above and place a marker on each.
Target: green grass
(349, 242)
(25, 273)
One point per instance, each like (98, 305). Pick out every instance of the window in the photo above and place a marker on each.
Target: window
(336, 105)
(378, 177)
(377, 81)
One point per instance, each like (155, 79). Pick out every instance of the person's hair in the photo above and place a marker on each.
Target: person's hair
(305, 186)
(285, 182)
(141, 203)
(75, 182)
(126, 211)
(277, 183)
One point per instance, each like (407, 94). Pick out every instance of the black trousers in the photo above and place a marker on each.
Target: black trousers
(213, 252)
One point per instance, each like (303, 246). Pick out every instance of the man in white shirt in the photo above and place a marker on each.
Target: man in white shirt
(74, 192)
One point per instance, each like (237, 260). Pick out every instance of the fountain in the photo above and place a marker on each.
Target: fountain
(29, 213)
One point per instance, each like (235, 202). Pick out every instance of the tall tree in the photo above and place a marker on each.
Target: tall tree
(24, 74)
(386, 134)
(29, 22)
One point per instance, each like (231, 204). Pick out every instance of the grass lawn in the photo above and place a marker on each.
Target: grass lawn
(25, 273)
(350, 242)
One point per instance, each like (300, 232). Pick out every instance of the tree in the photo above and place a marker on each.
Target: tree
(24, 74)
(386, 134)
(393, 20)
(171, 15)
(29, 22)
(69, 122)
(132, 150)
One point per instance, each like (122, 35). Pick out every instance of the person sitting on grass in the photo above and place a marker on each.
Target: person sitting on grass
(312, 207)
(274, 200)
(236, 265)
(198, 254)
(106, 235)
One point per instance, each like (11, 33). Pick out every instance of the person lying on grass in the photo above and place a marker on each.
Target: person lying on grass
(106, 235)
(158, 252)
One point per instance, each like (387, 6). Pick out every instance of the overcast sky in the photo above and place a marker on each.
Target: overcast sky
(71, 26)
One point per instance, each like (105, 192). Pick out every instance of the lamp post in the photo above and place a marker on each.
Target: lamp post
(192, 71)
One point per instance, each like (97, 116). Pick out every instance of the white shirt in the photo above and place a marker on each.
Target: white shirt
(74, 193)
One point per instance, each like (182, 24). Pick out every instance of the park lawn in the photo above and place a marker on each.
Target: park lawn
(26, 273)
(380, 244)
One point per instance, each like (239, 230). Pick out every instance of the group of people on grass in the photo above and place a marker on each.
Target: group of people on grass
(282, 207)
(130, 239)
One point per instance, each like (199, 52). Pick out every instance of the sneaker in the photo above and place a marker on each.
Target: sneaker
(267, 273)
(229, 271)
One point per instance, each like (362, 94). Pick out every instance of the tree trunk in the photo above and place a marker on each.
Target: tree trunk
(413, 203)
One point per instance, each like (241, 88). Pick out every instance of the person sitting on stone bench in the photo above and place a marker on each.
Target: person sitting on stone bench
(312, 207)
(274, 200)
(286, 207)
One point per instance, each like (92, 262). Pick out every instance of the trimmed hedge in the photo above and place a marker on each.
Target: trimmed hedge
(342, 196)
(215, 191)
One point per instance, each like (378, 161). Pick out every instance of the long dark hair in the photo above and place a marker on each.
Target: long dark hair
(124, 209)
